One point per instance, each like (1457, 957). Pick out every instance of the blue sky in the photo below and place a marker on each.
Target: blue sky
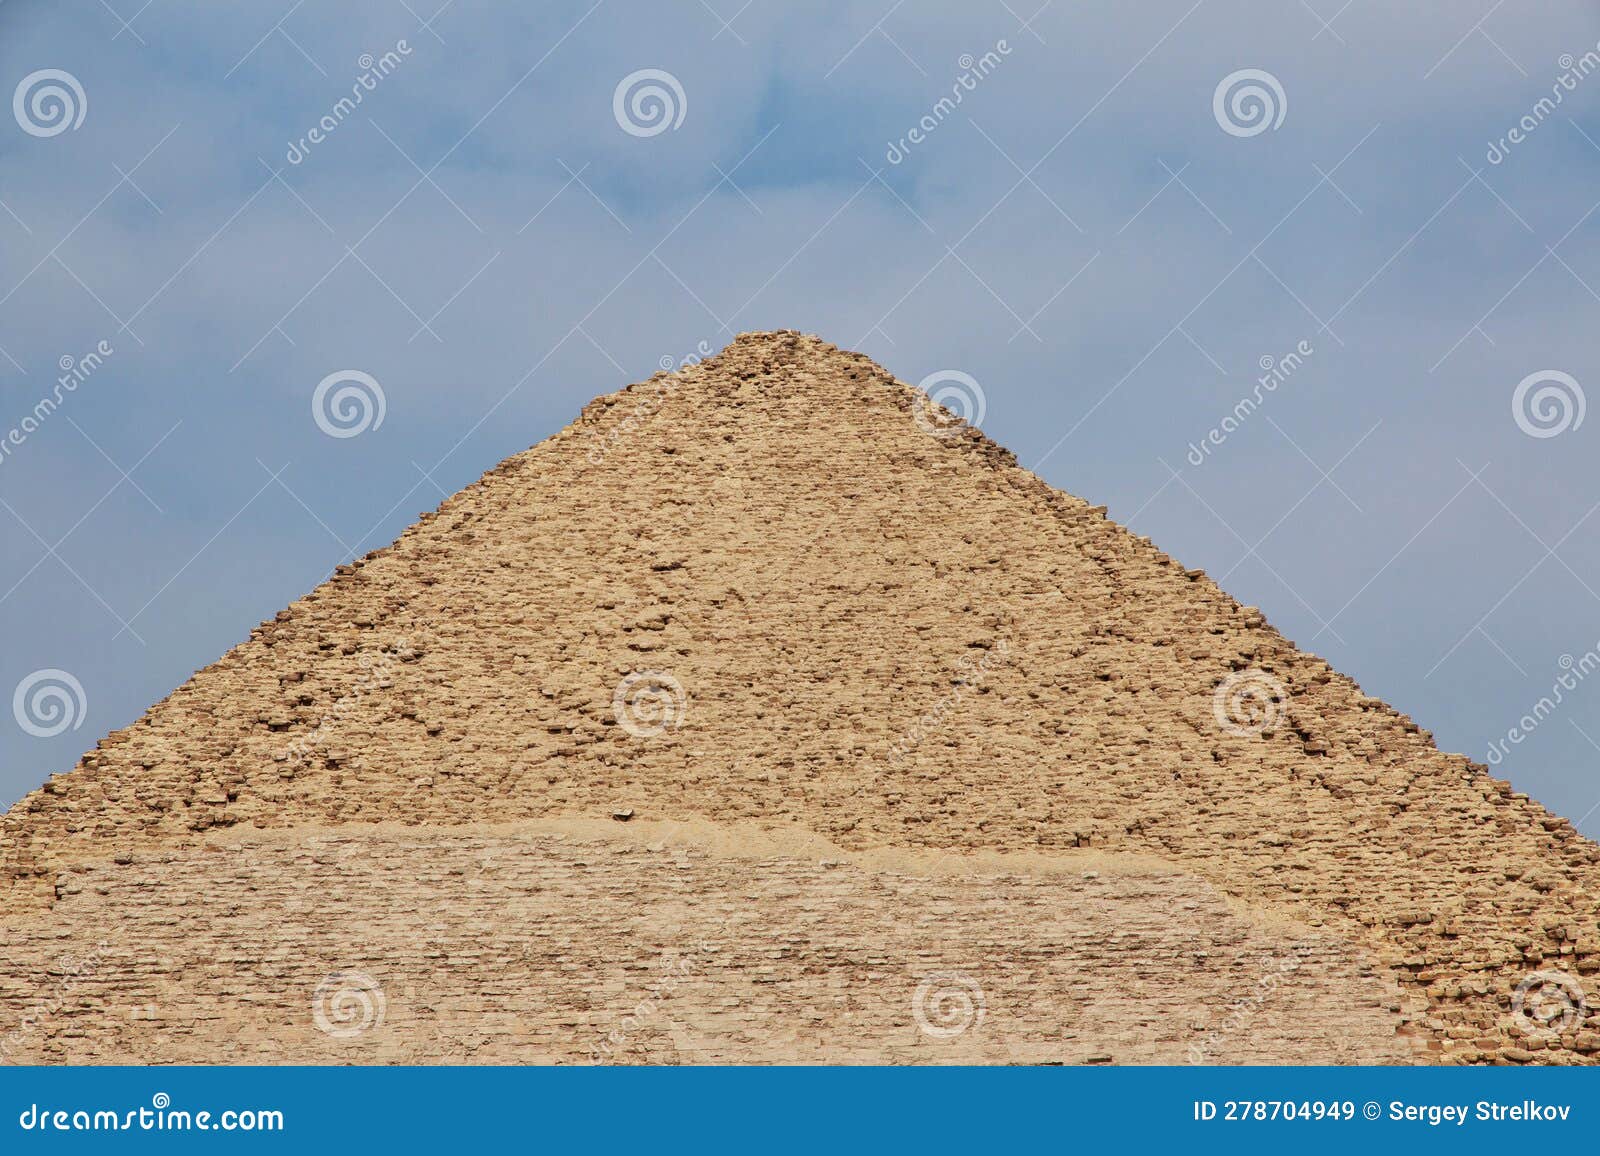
(1082, 235)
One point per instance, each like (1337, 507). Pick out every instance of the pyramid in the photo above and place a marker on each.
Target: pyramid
(767, 713)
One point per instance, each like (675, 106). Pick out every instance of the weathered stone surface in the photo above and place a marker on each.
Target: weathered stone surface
(651, 943)
(885, 637)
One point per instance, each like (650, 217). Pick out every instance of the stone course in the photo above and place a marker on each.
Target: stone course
(538, 942)
(777, 532)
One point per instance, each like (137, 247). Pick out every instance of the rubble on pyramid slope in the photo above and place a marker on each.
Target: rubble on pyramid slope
(542, 944)
(776, 531)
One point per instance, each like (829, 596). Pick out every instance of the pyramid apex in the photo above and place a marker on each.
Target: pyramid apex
(786, 343)
(776, 588)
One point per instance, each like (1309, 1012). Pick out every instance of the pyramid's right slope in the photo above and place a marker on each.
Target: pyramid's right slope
(889, 637)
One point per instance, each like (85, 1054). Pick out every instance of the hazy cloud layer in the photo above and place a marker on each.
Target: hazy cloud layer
(1079, 234)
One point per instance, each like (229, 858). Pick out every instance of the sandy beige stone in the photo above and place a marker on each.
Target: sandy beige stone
(895, 641)
(534, 942)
